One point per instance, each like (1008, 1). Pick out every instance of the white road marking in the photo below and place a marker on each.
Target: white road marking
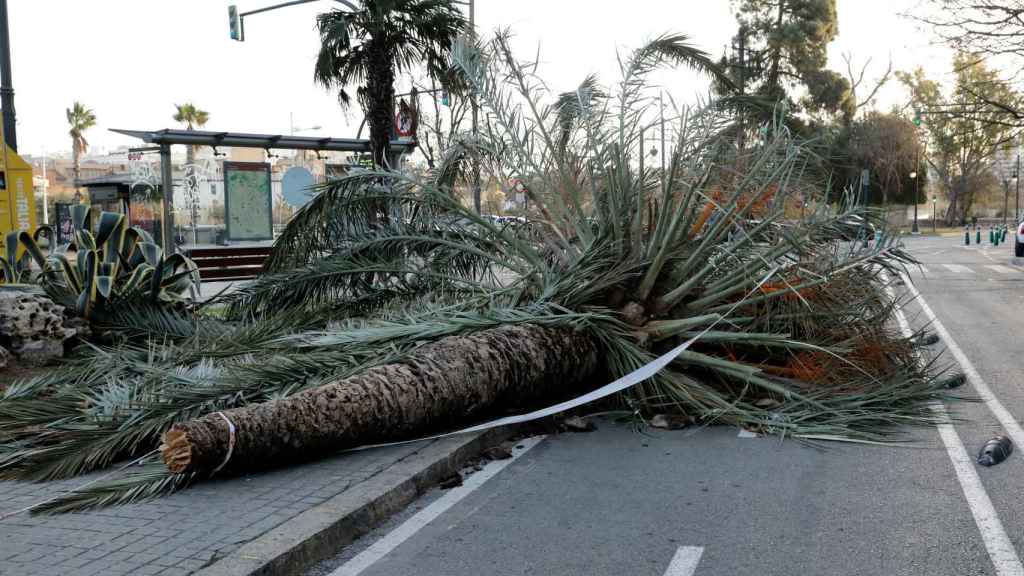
(744, 433)
(997, 543)
(685, 561)
(410, 527)
(958, 269)
(1000, 268)
(1006, 419)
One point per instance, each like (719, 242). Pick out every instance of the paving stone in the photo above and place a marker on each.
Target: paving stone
(174, 535)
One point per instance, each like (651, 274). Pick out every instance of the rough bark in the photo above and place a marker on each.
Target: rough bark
(441, 386)
(380, 107)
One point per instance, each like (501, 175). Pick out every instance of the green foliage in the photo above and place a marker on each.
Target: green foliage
(891, 147)
(370, 46)
(787, 42)
(967, 126)
(104, 272)
(190, 115)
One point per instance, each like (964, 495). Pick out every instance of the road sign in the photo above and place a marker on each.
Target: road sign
(295, 186)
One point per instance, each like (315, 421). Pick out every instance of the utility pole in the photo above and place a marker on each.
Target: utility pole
(6, 84)
(1016, 176)
(476, 129)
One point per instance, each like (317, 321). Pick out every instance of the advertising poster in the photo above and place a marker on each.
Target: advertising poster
(248, 208)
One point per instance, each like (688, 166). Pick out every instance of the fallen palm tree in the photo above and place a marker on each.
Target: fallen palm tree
(428, 318)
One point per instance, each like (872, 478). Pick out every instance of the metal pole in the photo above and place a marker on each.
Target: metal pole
(167, 183)
(46, 186)
(476, 130)
(6, 84)
(1017, 212)
(1006, 197)
(917, 190)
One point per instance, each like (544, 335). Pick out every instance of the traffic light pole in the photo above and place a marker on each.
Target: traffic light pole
(6, 84)
(241, 17)
(476, 124)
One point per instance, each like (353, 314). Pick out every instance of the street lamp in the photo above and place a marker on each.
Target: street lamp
(917, 199)
(934, 200)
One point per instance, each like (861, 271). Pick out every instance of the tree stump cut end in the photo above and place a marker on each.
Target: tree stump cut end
(176, 450)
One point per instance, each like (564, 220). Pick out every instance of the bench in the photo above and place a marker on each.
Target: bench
(229, 262)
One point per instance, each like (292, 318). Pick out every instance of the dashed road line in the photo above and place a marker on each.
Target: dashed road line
(958, 268)
(685, 561)
(1000, 268)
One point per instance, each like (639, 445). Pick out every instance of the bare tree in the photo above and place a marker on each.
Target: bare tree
(439, 128)
(856, 80)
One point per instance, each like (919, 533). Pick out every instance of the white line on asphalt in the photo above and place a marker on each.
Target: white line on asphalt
(744, 433)
(1006, 419)
(997, 543)
(410, 527)
(958, 269)
(684, 563)
(1000, 268)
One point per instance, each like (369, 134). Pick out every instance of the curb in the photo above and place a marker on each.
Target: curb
(318, 533)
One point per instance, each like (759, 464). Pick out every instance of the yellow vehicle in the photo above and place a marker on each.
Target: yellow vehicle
(17, 199)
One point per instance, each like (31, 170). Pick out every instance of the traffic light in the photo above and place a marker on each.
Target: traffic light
(444, 98)
(917, 118)
(234, 23)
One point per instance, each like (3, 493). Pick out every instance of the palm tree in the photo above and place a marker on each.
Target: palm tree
(190, 115)
(80, 119)
(370, 46)
(440, 318)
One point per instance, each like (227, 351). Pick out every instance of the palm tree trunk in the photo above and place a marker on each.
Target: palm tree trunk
(76, 164)
(380, 108)
(439, 387)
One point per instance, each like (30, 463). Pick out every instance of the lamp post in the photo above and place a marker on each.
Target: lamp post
(1017, 177)
(1006, 198)
(917, 191)
(934, 200)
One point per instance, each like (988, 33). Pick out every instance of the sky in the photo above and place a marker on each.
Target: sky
(130, 61)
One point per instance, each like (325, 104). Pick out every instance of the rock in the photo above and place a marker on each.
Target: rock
(40, 352)
(497, 453)
(670, 421)
(32, 327)
(5, 356)
(578, 424)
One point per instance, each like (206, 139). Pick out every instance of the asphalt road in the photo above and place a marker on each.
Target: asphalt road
(709, 502)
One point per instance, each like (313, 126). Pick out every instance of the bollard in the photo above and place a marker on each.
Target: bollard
(967, 237)
(991, 236)
(977, 235)
(1003, 239)
(997, 234)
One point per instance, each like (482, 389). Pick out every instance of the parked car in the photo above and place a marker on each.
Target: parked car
(1018, 241)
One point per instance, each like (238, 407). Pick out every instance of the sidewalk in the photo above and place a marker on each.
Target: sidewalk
(209, 522)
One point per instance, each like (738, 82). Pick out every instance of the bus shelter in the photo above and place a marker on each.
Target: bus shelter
(247, 187)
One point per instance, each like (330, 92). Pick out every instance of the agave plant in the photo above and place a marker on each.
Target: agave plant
(102, 268)
(389, 310)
